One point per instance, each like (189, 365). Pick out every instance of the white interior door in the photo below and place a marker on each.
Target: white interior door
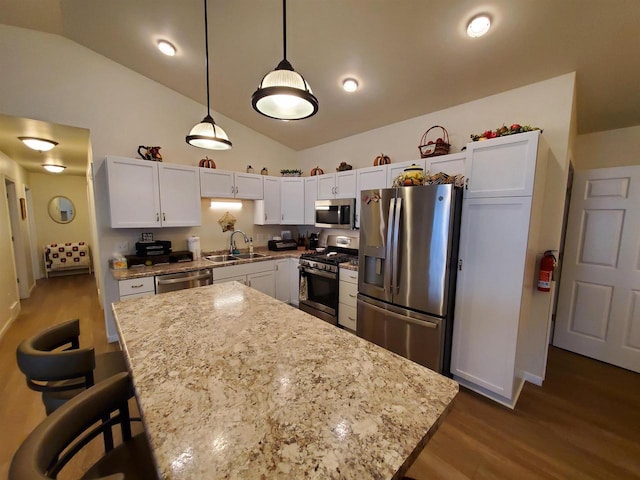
(599, 302)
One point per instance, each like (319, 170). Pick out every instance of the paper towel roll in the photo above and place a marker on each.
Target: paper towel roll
(193, 245)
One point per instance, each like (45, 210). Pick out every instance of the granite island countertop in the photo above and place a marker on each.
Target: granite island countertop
(234, 384)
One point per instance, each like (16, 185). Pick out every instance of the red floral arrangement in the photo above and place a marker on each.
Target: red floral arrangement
(503, 131)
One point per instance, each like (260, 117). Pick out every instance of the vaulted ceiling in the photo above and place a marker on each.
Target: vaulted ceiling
(410, 57)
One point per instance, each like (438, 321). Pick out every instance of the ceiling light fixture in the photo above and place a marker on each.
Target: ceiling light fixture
(478, 26)
(166, 47)
(40, 144)
(207, 134)
(54, 168)
(283, 93)
(350, 85)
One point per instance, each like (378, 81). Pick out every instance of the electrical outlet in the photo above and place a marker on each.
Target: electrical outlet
(122, 246)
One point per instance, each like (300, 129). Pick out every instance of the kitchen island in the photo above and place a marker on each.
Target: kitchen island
(234, 384)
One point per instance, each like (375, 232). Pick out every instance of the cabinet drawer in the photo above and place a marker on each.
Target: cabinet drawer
(347, 316)
(348, 276)
(136, 285)
(136, 295)
(348, 292)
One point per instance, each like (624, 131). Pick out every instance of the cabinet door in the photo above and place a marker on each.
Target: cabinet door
(271, 200)
(264, 282)
(502, 167)
(292, 201)
(395, 169)
(134, 196)
(326, 186)
(282, 278)
(249, 186)
(493, 247)
(368, 179)
(452, 164)
(216, 183)
(310, 197)
(179, 195)
(294, 281)
(346, 184)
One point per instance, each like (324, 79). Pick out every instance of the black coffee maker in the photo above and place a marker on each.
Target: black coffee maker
(313, 241)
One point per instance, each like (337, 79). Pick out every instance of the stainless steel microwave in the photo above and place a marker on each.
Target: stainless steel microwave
(335, 213)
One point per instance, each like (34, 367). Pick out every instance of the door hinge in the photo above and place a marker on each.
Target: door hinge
(460, 264)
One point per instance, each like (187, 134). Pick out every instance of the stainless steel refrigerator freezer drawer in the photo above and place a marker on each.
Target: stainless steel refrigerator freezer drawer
(413, 335)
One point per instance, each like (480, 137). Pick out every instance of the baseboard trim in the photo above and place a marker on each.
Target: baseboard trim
(531, 378)
(14, 311)
(112, 338)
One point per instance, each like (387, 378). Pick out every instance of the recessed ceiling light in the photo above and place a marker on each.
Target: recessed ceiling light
(40, 144)
(166, 47)
(478, 26)
(350, 85)
(54, 168)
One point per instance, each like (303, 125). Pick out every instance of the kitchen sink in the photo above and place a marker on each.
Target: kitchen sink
(221, 258)
(243, 256)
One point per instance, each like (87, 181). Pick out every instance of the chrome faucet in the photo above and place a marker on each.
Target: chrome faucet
(232, 245)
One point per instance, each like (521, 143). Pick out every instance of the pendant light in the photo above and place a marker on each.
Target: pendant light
(283, 93)
(207, 134)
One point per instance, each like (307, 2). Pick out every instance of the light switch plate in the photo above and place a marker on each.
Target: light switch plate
(122, 246)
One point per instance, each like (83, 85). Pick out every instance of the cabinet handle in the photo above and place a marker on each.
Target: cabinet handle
(283, 216)
(352, 319)
(248, 283)
(232, 189)
(265, 216)
(276, 268)
(352, 296)
(163, 217)
(137, 286)
(157, 217)
(466, 183)
(236, 189)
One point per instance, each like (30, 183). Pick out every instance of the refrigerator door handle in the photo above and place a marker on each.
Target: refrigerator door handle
(388, 259)
(396, 228)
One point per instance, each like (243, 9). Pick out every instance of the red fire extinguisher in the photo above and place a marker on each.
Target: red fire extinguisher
(547, 264)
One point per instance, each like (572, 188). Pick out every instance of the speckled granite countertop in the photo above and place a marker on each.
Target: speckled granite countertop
(139, 272)
(234, 384)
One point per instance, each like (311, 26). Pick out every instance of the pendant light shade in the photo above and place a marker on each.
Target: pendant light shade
(283, 93)
(207, 134)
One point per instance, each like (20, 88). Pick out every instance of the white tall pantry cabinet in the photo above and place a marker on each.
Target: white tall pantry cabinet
(498, 308)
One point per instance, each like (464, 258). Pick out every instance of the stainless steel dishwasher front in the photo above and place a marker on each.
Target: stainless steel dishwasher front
(181, 280)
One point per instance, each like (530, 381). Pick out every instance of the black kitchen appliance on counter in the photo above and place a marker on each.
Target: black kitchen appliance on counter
(280, 245)
(158, 259)
(157, 247)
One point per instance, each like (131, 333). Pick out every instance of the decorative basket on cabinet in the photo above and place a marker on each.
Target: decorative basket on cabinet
(431, 146)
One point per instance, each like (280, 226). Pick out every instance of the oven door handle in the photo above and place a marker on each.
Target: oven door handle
(319, 273)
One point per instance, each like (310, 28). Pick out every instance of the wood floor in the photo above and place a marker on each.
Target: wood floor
(584, 423)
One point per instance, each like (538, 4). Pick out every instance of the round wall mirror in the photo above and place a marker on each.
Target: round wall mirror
(61, 209)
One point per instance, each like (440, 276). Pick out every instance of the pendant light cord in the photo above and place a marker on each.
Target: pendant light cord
(206, 48)
(284, 28)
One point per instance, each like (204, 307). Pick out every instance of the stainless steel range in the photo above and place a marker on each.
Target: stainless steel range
(319, 277)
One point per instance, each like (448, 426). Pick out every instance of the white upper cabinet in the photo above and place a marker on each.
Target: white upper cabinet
(292, 200)
(337, 185)
(367, 179)
(223, 184)
(452, 164)
(310, 197)
(267, 211)
(502, 167)
(146, 194)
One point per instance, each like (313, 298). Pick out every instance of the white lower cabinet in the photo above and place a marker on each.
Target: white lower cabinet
(136, 288)
(258, 275)
(283, 291)
(347, 297)
(294, 281)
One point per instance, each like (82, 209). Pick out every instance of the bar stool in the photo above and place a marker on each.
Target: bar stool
(64, 433)
(62, 373)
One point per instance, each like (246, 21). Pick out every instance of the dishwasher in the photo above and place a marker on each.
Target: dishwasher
(178, 281)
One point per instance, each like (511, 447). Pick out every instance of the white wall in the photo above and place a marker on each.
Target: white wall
(547, 104)
(9, 296)
(45, 186)
(613, 148)
(50, 78)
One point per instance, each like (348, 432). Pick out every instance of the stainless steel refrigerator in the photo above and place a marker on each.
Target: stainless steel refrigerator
(407, 270)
